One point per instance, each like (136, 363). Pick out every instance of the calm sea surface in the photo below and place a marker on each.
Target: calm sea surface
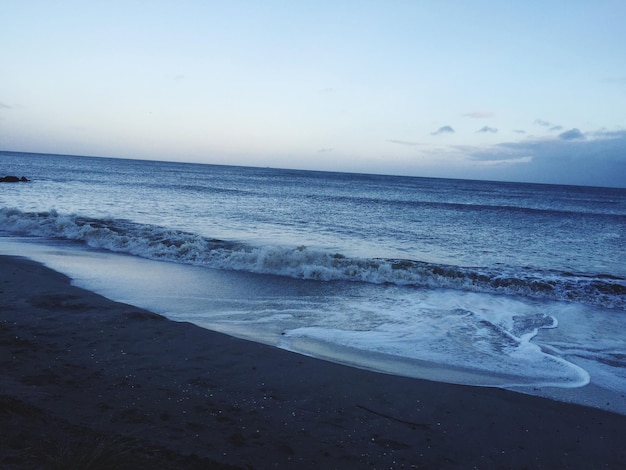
(486, 283)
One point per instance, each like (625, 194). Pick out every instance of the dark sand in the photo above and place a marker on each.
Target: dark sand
(84, 377)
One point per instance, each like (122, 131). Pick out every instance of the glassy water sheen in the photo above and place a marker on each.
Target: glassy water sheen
(484, 283)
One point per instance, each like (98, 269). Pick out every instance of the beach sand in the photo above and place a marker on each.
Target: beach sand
(85, 377)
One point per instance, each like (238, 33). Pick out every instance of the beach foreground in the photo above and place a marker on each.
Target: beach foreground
(82, 376)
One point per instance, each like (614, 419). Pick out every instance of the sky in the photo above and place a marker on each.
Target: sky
(520, 91)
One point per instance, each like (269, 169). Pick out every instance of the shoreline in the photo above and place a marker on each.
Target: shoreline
(75, 364)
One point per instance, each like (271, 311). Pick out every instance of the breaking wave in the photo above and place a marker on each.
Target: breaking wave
(159, 243)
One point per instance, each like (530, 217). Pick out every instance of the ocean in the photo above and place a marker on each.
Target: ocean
(520, 286)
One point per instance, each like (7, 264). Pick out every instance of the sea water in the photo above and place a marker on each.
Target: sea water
(514, 285)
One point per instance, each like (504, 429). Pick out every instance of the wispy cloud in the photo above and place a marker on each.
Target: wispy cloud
(606, 134)
(487, 129)
(572, 134)
(519, 131)
(325, 150)
(551, 127)
(478, 114)
(5, 106)
(403, 142)
(506, 161)
(443, 130)
(499, 153)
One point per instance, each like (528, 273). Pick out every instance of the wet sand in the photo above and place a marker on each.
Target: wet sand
(84, 377)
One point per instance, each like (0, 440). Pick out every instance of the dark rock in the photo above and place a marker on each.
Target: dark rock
(13, 179)
(9, 179)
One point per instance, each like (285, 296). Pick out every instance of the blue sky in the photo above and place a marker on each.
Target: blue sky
(522, 91)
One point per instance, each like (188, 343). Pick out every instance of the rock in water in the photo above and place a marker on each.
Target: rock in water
(13, 179)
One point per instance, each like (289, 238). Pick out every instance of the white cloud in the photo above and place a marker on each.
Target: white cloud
(443, 130)
(572, 134)
(487, 129)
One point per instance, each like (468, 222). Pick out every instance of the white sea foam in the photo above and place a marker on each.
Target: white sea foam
(474, 332)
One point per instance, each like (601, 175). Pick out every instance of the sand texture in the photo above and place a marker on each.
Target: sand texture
(82, 377)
